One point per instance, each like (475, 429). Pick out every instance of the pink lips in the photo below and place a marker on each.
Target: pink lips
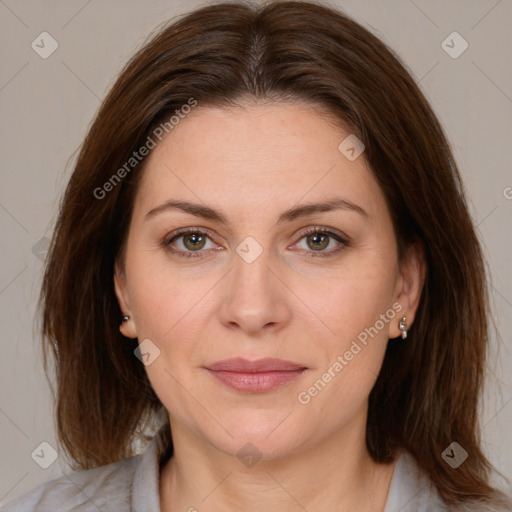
(255, 376)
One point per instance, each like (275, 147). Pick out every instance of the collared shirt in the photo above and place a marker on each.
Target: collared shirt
(132, 485)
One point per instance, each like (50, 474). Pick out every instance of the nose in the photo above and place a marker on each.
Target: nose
(255, 300)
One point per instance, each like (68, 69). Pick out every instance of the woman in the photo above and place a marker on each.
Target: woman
(265, 240)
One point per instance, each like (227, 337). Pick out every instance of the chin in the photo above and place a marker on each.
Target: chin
(261, 440)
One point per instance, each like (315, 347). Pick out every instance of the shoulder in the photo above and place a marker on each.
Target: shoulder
(502, 503)
(106, 488)
(412, 491)
(130, 484)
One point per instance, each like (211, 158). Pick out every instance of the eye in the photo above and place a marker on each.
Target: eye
(193, 242)
(318, 239)
(189, 241)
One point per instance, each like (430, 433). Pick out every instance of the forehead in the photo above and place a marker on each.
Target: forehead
(256, 157)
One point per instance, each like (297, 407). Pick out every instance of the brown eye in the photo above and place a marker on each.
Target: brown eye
(194, 241)
(188, 242)
(318, 241)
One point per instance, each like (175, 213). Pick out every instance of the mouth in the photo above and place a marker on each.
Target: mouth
(255, 376)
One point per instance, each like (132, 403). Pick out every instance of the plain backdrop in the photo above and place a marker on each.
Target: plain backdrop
(47, 105)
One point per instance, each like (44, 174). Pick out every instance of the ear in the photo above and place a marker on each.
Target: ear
(412, 271)
(128, 328)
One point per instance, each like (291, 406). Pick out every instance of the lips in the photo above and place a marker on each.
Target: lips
(255, 376)
(241, 365)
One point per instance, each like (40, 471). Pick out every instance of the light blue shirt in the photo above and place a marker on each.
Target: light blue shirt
(132, 485)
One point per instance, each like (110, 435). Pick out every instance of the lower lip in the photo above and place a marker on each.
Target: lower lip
(255, 382)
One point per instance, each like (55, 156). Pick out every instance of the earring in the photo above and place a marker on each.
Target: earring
(402, 325)
(125, 319)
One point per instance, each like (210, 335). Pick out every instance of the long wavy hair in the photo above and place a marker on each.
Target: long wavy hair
(428, 390)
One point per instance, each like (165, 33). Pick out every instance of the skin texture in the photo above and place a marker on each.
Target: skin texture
(252, 163)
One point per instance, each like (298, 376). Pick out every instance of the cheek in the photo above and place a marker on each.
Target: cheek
(352, 358)
(169, 311)
(355, 309)
(351, 297)
(162, 297)
(172, 309)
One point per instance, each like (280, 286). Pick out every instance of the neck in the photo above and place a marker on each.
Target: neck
(333, 474)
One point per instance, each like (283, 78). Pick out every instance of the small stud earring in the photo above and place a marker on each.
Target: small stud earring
(402, 325)
(125, 319)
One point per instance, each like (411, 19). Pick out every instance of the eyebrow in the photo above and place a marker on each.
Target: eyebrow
(206, 212)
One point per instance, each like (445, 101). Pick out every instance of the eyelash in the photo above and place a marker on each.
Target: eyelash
(167, 241)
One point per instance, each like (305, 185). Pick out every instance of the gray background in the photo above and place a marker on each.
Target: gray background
(47, 106)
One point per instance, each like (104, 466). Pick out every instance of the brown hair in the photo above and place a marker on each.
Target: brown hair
(427, 393)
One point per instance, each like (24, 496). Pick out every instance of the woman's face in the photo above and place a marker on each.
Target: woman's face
(250, 282)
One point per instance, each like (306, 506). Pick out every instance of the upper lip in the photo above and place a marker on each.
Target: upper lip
(238, 364)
